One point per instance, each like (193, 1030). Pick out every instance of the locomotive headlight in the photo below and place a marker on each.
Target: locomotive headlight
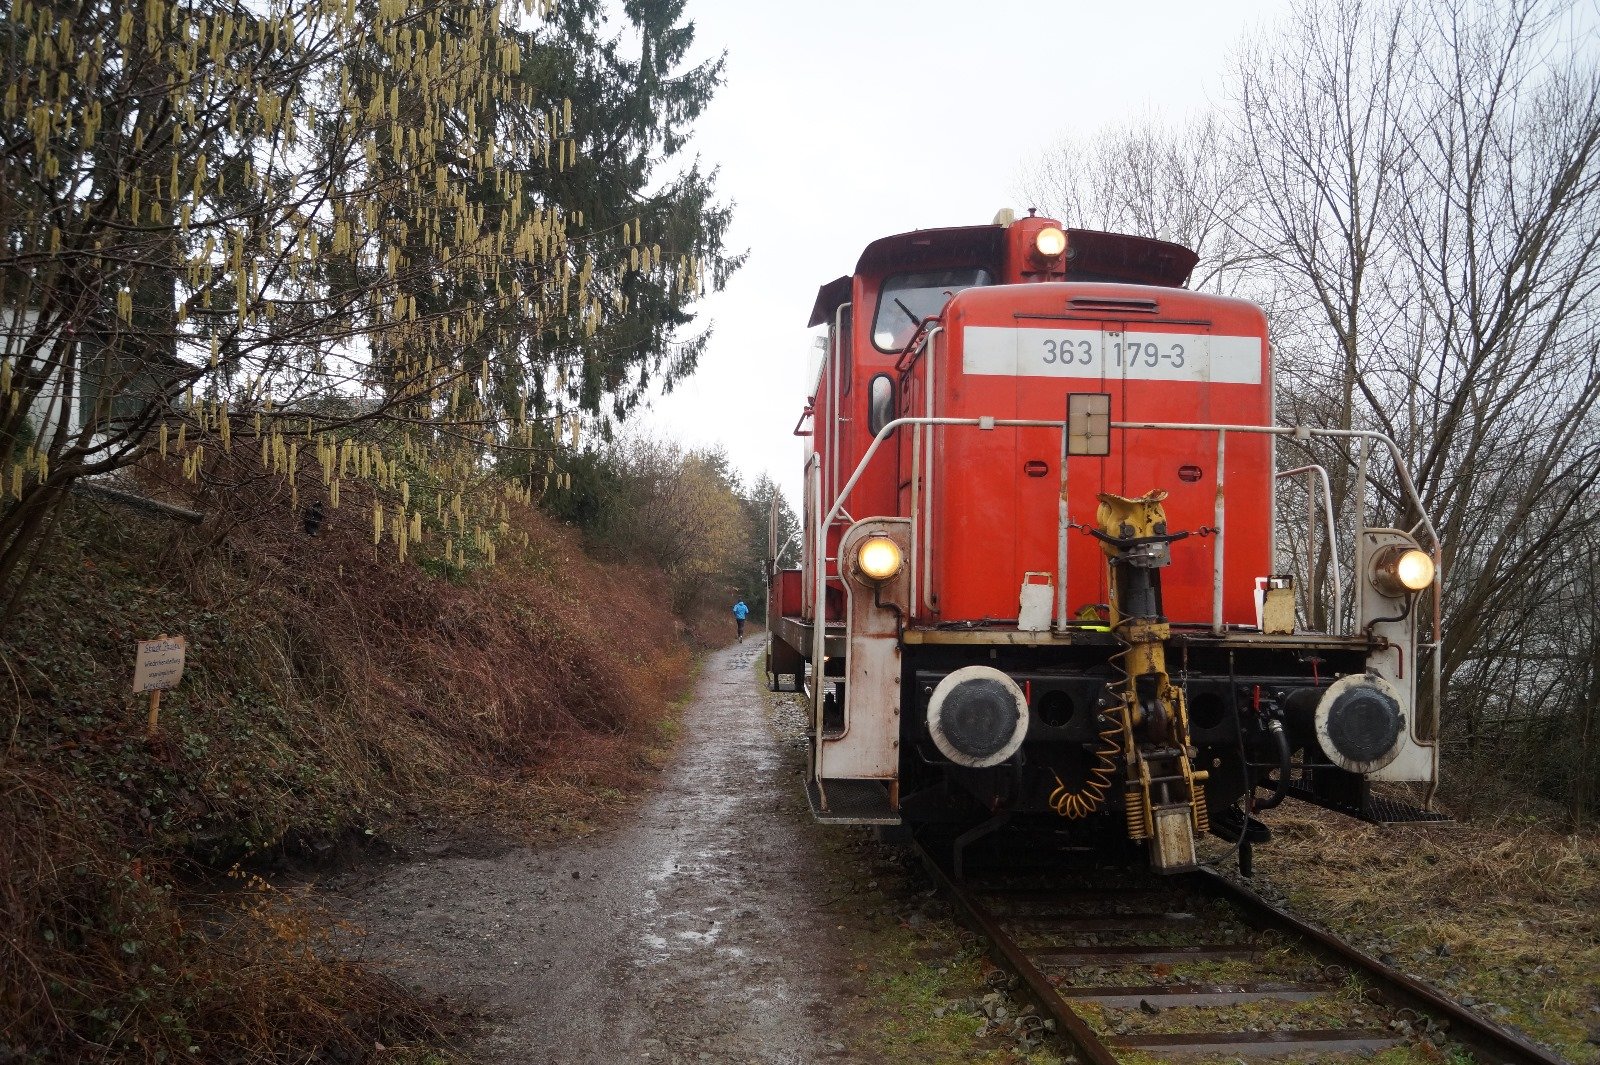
(1399, 570)
(1050, 242)
(879, 558)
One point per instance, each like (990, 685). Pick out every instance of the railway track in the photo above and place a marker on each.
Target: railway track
(1196, 966)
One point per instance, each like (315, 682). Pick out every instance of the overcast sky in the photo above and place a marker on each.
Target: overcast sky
(842, 122)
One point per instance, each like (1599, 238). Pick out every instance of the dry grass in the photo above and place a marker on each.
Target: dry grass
(327, 685)
(104, 961)
(1506, 913)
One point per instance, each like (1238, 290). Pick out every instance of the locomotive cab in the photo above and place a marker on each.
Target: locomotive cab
(1044, 574)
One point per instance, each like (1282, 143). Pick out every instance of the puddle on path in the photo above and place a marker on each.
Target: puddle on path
(681, 935)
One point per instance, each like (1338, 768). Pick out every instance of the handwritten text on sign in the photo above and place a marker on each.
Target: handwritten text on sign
(158, 664)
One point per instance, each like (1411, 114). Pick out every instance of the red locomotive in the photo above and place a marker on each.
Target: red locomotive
(1042, 570)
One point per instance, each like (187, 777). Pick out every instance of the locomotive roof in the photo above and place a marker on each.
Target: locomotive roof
(910, 250)
(1094, 255)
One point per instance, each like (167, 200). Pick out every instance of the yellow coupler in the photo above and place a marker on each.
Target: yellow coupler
(1164, 800)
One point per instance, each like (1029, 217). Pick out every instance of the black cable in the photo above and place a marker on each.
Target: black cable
(1244, 764)
(1410, 599)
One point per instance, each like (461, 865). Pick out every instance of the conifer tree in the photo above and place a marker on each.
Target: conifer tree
(310, 226)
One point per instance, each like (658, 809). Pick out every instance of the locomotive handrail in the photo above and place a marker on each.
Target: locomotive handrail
(1304, 432)
(834, 378)
(924, 587)
(819, 630)
(917, 344)
(1333, 543)
(1297, 432)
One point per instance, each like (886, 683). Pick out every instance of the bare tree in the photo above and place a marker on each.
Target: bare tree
(1499, 229)
(1418, 207)
(1144, 178)
(1318, 124)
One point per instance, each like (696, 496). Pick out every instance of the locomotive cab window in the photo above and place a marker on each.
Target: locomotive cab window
(907, 299)
(880, 403)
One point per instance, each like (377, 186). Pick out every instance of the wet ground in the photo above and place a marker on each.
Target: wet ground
(696, 929)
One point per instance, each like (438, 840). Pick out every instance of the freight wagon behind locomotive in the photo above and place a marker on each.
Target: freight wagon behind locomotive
(1043, 574)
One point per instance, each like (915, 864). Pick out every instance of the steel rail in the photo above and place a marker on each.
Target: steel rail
(1087, 1045)
(1479, 1033)
(1485, 1038)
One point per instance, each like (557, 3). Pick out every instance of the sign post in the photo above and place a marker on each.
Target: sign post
(158, 665)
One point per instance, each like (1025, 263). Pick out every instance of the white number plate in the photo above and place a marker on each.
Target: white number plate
(1007, 351)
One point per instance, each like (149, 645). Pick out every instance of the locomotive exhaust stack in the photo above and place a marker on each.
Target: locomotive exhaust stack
(988, 393)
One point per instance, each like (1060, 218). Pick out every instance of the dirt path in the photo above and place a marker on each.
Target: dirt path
(696, 930)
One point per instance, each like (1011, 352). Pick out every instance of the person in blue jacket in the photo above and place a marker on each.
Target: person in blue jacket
(740, 612)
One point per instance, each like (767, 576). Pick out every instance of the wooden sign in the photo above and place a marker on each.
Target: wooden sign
(158, 664)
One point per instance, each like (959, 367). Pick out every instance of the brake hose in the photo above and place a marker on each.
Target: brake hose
(1281, 788)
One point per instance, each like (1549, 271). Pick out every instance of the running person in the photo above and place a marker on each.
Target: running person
(740, 612)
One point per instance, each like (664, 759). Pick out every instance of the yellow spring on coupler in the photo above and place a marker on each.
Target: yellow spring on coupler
(1202, 813)
(1087, 799)
(1134, 812)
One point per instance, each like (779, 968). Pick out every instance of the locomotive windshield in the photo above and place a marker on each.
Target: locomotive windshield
(907, 299)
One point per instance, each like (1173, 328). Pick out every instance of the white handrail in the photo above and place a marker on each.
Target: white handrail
(1219, 524)
(1304, 432)
(927, 479)
(1333, 543)
(820, 609)
(1298, 432)
(836, 390)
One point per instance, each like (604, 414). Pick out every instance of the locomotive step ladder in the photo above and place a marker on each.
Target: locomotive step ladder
(851, 802)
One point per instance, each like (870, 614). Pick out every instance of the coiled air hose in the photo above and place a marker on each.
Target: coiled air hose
(1073, 804)
(1081, 802)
